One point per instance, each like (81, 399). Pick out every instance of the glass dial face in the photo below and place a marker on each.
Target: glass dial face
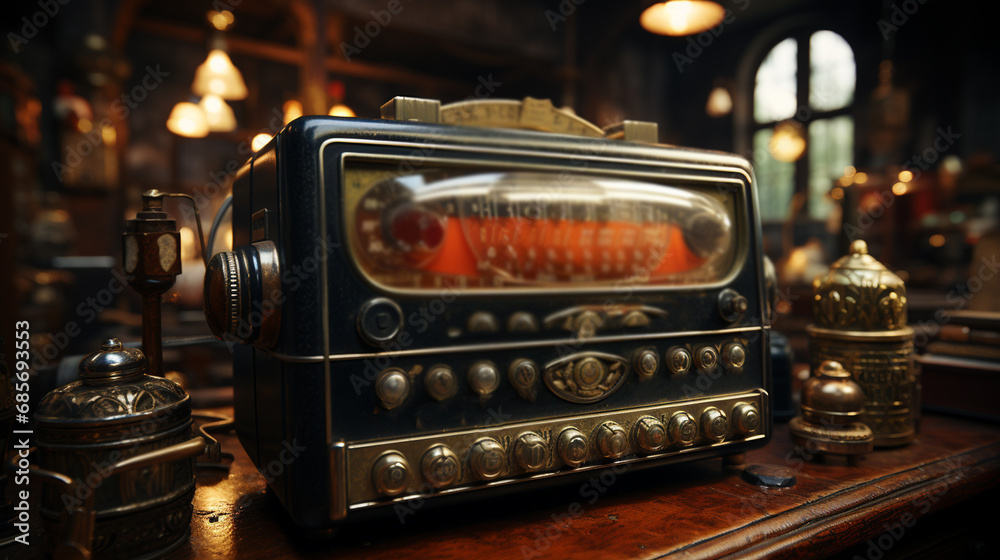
(478, 229)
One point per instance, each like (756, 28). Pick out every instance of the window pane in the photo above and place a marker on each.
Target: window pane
(831, 149)
(774, 91)
(775, 179)
(832, 73)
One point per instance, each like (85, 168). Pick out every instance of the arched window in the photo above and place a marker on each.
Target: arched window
(804, 90)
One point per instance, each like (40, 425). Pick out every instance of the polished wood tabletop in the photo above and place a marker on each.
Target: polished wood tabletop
(924, 496)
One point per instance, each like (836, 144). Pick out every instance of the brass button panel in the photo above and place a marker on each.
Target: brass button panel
(466, 459)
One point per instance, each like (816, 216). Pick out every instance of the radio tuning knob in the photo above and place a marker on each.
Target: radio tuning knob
(714, 424)
(483, 322)
(392, 387)
(487, 459)
(523, 375)
(679, 360)
(734, 356)
(732, 305)
(391, 474)
(650, 435)
(646, 363)
(531, 452)
(484, 378)
(612, 441)
(747, 419)
(441, 467)
(706, 359)
(573, 447)
(682, 429)
(440, 382)
(230, 279)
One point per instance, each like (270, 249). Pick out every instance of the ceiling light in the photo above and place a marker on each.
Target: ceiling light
(218, 113)
(682, 17)
(720, 103)
(187, 119)
(218, 75)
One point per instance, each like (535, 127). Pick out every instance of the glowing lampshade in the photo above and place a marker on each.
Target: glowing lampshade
(187, 119)
(787, 143)
(720, 103)
(218, 75)
(341, 110)
(260, 141)
(218, 113)
(681, 17)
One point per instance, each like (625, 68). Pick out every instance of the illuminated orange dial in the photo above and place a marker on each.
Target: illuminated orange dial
(537, 229)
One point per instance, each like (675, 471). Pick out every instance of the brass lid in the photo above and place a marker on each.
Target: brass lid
(859, 294)
(113, 362)
(831, 396)
(113, 387)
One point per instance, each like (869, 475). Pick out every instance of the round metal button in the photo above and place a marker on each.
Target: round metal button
(587, 324)
(573, 446)
(714, 424)
(523, 375)
(678, 360)
(612, 441)
(531, 452)
(484, 377)
(734, 356)
(747, 419)
(379, 321)
(522, 321)
(392, 387)
(441, 466)
(706, 359)
(483, 322)
(390, 473)
(682, 429)
(440, 382)
(487, 459)
(646, 362)
(650, 435)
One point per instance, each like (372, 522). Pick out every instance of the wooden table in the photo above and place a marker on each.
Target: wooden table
(928, 496)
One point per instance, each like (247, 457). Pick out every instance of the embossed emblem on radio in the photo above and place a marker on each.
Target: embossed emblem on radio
(587, 377)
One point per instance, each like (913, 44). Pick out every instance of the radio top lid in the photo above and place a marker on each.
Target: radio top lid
(527, 114)
(859, 293)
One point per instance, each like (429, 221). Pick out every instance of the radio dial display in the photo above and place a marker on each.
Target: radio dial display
(471, 230)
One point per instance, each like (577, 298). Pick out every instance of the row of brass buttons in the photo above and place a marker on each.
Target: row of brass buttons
(393, 385)
(441, 467)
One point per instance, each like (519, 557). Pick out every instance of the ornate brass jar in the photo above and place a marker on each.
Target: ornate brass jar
(118, 445)
(859, 308)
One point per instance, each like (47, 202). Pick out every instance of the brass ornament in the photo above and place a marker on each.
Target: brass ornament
(832, 403)
(117, 448)
(860, 321)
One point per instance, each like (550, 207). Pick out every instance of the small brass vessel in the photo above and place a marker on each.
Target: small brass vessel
(117, 451)
(832, 404)
(859, 308)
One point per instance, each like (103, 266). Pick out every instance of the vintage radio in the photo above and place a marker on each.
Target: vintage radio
(419, 308)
